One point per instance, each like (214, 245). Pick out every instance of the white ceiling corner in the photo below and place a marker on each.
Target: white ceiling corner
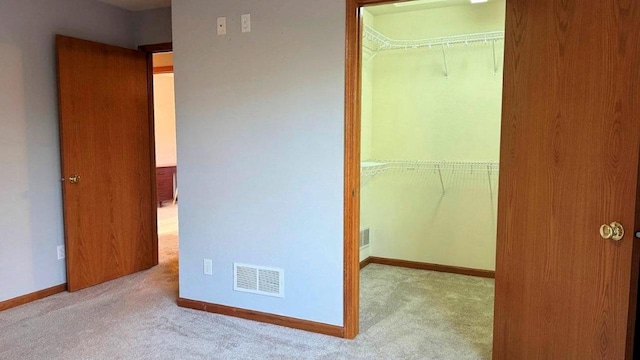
(139, 5)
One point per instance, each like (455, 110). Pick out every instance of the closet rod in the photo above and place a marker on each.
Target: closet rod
(385, 43)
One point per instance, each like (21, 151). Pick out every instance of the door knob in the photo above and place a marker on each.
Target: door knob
(614, 231)
(74, 179)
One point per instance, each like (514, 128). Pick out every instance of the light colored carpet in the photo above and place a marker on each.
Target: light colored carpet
(405, 314)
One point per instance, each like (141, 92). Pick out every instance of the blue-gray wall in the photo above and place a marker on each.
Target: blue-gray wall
(260, 120)
(30, 192)
(153, 26)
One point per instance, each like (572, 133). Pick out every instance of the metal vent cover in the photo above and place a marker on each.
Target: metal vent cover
(258, 280)
(364, 238)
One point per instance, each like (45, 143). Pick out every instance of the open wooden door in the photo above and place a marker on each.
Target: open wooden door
(569, 163)
(106, 141)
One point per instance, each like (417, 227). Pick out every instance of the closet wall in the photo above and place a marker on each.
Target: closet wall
(419, 114)
(366, 149)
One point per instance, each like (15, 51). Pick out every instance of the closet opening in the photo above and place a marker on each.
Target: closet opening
(428, 115)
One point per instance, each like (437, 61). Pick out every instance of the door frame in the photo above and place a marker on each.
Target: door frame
(352, 143)
(352, 134)
(150, 50)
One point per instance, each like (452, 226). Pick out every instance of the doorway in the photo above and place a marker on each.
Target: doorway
(431, 96)
(166, 157)
(569, 139)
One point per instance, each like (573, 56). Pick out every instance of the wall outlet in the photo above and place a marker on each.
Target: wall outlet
(208, 267)
(221, 25)
(60, 252)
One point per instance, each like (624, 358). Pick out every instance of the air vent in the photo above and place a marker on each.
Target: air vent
(258, 280)
(364, 238)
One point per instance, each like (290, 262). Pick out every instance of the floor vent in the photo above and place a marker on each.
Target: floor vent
(364, 238)
(258, 280)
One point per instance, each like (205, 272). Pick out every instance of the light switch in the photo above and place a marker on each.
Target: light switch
(222, 25)
(246, 23)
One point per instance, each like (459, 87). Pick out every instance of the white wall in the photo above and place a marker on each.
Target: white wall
(422, 115)
(165, 119)
(30, 191)
(419, 114)
(366, 133)
(260, 120)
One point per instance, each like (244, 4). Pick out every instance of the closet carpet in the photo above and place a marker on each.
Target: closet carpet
(405, 314)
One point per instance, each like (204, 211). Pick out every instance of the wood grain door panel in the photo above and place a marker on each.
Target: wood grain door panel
(105, 134)
(569, 163)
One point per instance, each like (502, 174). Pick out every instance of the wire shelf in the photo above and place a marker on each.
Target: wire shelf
(382, 42)
(371, 169)
(376, 42)
(375, 168)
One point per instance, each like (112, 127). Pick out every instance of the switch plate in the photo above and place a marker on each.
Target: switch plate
(245, 20)
(60, 252)
(208, 267)
(222, 25)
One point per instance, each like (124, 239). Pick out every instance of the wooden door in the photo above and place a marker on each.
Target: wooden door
(569, 163)
(106, 140)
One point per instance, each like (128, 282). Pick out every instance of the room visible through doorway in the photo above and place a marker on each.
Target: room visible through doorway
(167, 189)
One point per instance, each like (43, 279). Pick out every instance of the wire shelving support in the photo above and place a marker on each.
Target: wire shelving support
(377, 42)
(369, 170)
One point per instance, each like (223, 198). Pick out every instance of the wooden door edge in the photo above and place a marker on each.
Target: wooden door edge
(632, 324)
(58, 40)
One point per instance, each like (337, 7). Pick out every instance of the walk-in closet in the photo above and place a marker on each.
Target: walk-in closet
(430, 145)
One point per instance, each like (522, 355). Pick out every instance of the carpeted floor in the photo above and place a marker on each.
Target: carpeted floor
(405, 314)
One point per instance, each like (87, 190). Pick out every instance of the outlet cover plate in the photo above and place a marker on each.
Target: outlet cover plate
(208, 267)
(61, 254)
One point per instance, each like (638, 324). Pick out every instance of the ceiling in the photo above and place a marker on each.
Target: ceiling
(416, 5)
(139, 5)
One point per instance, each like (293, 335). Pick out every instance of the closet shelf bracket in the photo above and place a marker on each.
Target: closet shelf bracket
(495, 59)
(444, 59)
(441, 181)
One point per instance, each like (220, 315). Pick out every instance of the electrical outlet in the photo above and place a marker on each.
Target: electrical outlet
(222, 25)
(208, 267)
(60, 252)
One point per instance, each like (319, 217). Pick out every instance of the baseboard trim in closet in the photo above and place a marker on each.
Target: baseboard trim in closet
(285, 321)
(365, 262)
(25, 299)
(432, 267)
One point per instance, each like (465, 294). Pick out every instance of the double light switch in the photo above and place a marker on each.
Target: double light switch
(245, 23)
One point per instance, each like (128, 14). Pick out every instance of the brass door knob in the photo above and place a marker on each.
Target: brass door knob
(614, 231)
(74, 179)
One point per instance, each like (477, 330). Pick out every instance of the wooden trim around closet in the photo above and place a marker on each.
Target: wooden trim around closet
(365, 262)
(351, 316)
(352, 132)
(25, 299)
(299, 324)
(489, 274)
